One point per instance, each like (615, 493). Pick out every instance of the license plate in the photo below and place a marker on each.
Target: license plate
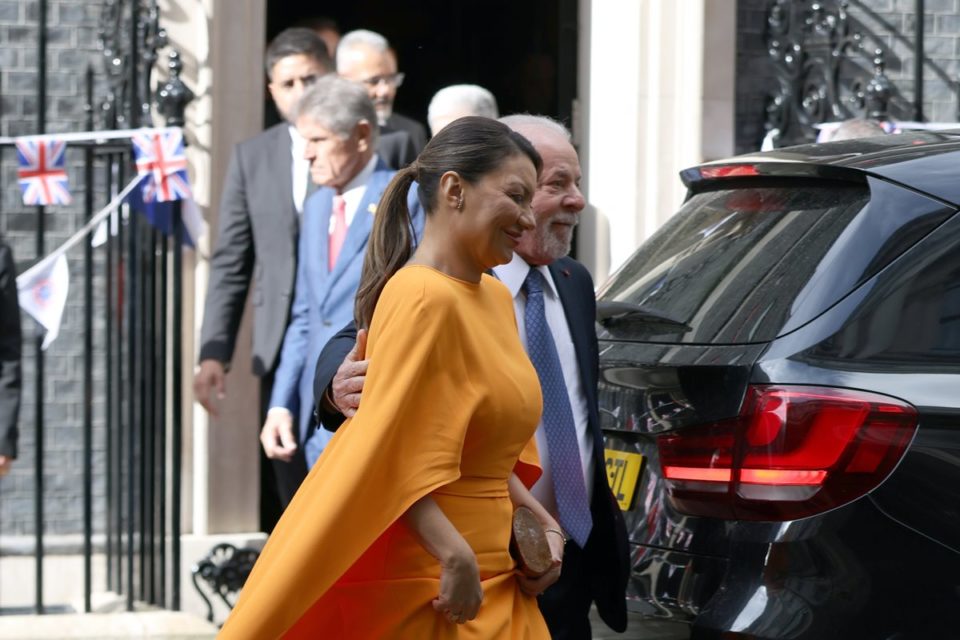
(623, 473)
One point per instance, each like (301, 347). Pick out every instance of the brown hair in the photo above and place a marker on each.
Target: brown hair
(472, 147)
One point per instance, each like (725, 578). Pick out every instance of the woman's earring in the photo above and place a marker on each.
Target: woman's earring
(460, 203)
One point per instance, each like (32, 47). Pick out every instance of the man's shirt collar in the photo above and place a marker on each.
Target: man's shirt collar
(515, 272)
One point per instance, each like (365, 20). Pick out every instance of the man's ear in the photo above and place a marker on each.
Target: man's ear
(364, 135)
(451, 189)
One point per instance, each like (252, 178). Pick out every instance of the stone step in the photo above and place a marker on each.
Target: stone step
(152, 625)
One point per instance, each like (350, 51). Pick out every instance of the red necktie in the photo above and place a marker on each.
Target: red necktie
(339, 230)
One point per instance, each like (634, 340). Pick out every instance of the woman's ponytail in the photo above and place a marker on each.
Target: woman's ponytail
(390, 244)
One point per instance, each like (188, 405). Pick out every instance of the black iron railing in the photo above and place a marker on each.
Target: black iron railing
(828, 68)
(135, 284)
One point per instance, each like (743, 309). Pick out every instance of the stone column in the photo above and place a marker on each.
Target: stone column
(656, 97)
(222, 44)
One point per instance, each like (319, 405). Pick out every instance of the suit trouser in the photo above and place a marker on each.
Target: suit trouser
(279, 480)
(566, 604)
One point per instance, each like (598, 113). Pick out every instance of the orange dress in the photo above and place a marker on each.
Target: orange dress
(450, 406)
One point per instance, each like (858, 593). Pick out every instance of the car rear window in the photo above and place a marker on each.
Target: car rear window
(746, 264)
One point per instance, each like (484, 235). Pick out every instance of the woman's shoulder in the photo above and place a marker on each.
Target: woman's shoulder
(417, 286)
(419, 277)
(421, 297)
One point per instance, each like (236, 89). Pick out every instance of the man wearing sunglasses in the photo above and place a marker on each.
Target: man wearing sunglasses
(366, 57)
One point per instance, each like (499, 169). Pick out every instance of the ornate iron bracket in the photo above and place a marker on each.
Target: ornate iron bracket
(224, 570)
(174, 95)
(130, 36)
(819, 59)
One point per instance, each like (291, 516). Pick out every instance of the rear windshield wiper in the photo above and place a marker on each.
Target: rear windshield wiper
(611, 311)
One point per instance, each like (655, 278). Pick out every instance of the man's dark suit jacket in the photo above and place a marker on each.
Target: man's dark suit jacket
(396, 149)
(257, 238)
(607, 553)
(10, 346)
(416, 131)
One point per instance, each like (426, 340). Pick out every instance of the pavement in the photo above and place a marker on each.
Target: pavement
(639, 629)
(170, 625)
(152, 625)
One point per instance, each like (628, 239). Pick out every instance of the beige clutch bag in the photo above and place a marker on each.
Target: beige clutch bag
(528, 544)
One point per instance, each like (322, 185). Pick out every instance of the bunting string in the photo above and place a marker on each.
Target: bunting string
(96, 219)
(161, 175)
(90, 136)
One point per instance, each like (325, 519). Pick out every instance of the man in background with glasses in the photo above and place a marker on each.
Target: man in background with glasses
(366, 57)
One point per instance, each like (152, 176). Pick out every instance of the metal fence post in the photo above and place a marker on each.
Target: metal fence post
(172, 100)
(88, 363)
(38, 370)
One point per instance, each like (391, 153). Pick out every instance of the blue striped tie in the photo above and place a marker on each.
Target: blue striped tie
(558, 426)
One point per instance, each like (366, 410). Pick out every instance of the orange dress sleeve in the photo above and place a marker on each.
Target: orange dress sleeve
(528, 465)
(404, 442)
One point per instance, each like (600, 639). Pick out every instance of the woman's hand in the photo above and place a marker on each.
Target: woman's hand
(520, 495)
(460, 590)
(536, 586)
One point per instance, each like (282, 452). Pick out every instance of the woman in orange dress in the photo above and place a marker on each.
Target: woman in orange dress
(402, 528)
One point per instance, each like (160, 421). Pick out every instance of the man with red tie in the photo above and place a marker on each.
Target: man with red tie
(339, 124)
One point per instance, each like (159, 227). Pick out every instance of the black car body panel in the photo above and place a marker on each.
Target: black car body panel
(876, 310)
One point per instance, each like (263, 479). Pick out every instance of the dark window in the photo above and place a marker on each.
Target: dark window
(910, 320)
(747, 264)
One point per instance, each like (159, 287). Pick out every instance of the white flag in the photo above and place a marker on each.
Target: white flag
(42, 292)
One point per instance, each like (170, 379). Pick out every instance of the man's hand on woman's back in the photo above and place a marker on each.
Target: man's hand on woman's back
(347, 384)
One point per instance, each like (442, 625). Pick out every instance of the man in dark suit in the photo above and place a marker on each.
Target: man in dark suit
(338, 122)
(263, 193)
(366, 57)
(10, 347)
(595, 569)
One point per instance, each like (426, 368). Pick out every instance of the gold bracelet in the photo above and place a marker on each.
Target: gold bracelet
(558, 532)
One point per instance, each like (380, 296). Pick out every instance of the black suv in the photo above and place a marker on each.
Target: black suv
(780, 390)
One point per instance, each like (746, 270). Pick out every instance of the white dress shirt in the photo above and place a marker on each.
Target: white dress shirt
(300, 168)
(512, 275)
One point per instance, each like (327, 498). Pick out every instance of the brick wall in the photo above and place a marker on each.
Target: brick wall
(894, 22)
(889, 22)
(72, 45)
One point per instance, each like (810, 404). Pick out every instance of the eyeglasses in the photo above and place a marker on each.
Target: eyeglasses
(394, 79)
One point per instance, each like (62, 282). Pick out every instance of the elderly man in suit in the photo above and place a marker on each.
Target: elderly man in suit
(338, 121)
(366, 57)
(266, 183)
(553, 294)
(10, 346)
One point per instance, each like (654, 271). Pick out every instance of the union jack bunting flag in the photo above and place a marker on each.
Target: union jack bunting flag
(42, 173)
(161, 157)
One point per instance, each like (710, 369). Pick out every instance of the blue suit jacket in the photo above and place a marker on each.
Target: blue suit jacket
(323, 300)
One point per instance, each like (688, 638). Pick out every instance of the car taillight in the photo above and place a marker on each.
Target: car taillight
(791, 453)
(728, 171)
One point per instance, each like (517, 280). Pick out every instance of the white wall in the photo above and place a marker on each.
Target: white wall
(656, 96)
(221, 42)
